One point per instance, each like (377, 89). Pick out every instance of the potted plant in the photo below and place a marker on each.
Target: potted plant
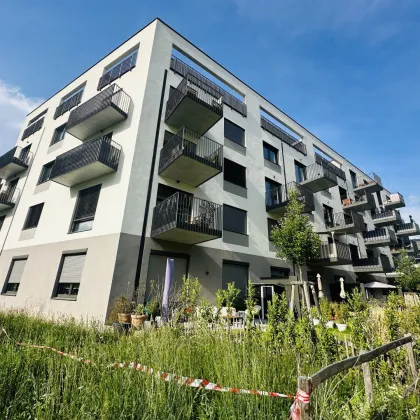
(326, 312)
(139, 316)
(341, 316)
(122, 307)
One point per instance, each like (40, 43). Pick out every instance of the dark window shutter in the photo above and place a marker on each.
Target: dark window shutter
(34, 214)
(87, 202)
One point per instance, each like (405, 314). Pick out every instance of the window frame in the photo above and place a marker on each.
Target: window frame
(301, 168)
(271, 149)
(84, 219)
(233, 165)
(61, 137)
(28, 216)
(2, 219)
(270, 225)
(239, 211)
(43, 171)
(9, 273)
(243, 144)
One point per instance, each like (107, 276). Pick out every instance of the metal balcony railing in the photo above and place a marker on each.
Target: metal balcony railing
(395, 198)
(112, 96)
(33, 128)
(407, 227)
(119, 70)
(321, 160)
(317, 170)
(380, 263)
(183, 211)
(102, 149)
(363, 201)
(9, 197)
(344, 220)
(17, 155)
(283, 135)
(371, 178)
(280, 196)
(191, 144)
(335, 252)
(198, 89)
(183, 69)
(380, 234)
(68, 104)
(386, 215)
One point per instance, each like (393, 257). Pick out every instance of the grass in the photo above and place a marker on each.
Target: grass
(38, 384)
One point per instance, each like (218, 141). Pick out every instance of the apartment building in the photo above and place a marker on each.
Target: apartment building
(158, 151)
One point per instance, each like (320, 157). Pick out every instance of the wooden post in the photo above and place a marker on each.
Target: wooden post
(305, 384)
(368, 380)
(411, 357)
(315, 299)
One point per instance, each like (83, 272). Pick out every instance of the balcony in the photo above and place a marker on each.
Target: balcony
(394, 201)
(104, 110)
(194, 104)
(407, 229)
(335, 169)
(346, 223)
(379, 237)
(14, 162)
(411, 249)
(333, 254)
(379, 264)
(357, 202)
(190, 158)
(318, 177)
(88, 161)
(370, 183)
(187, 219)
(386, 218)
(8, 199)
(277, 199)
(276, 131)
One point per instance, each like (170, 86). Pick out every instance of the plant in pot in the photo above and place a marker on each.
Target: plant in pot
(139, 316)
(122, 308)
(341, 316)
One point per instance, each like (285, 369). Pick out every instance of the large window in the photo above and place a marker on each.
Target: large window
(271, 224)
(14, 276)
(33, 216)
(234, 173)
(85, 210)
(234, 219)
(69, 101)
(236, 272)
(58, 135)
(272, 192)
(353, 179)
(69, 275)
(34, 125)
(234, 132)
(46, 172)
(2, 218)
(299, 172)
(270, 153)
(328, 215)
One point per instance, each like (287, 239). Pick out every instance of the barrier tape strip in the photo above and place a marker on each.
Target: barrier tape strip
(301, 396)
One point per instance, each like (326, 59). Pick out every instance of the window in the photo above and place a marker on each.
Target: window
(270, 153)
(328, 215)
(234, 173)
(85, 209)
(69, 101)
(118, 68)
(46, 172)
(14, 276)
(167, 136)
(236, 272)
(58, 135)
(353, 178)
(234, 132)
(271, 223)
(2, 219)
(25, 154)
(165, 191)
(69, 275)
(272, 192)
(343, 193)
(279, 271)
(234, 219)
(34, 125)
(299, 172)
(33, 216)
(378, 195)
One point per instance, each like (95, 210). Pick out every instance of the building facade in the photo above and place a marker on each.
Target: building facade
(158, 151)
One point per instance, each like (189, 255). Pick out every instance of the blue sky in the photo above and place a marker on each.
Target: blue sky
(347, 70)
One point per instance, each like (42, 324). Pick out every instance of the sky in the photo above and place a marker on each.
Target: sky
(348, 71)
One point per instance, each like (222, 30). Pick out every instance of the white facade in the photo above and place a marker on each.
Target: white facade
(117, 251)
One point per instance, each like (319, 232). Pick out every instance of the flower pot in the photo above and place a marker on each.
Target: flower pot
(341, 327)
(138, 320)
(124, 318)
(330, 324)
(315, 321)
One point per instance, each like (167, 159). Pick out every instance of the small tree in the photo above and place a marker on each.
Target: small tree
(295, 239)
(409, 278)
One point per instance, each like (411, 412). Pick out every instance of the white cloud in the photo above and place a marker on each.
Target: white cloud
(14, 106)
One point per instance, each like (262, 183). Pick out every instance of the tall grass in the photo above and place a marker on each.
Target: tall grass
(38, 384)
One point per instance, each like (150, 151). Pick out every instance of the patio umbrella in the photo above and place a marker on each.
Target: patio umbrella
(169, 274)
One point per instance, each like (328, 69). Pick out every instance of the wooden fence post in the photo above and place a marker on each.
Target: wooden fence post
(305, 384)
(411, 357)
(367, 377)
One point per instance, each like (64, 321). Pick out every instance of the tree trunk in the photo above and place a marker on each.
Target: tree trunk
(305, 289)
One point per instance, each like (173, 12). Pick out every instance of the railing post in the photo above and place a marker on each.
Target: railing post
(305, 385)
(367, 377)
(411, 357)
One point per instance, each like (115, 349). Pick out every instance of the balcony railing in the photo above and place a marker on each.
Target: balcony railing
(333, 254)
(346, 223)
(372, 264)
(8, 198)
(388, 217)
(359, 202)
(276, 200)
(190, 158)
(370, 182)
(283, 135)
(411, 249)
(194, 104)
(33, 128)
(102, 111)
(318, 177)
(395, 201)
(379, 237)
(113, 74)
(90, 160)
(14, 161)
(68, 104)
(407, 229)
(187, 219)
(183, 69)
(322, 161)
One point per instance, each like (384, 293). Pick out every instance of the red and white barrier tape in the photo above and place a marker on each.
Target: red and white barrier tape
(301, 396)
